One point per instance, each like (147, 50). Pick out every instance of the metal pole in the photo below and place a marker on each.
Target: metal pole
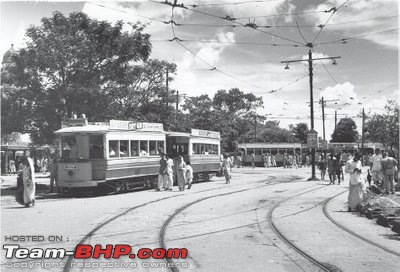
(362, 137)
(335, 120)
(310, 68)
(255, 128)
(323, 116)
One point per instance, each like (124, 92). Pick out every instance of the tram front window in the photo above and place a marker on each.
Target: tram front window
(113, 149)
(69, 148)
(96, 147)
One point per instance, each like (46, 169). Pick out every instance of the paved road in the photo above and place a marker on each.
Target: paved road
(224, 227)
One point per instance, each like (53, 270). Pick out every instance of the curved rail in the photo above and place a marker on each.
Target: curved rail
(352, 232)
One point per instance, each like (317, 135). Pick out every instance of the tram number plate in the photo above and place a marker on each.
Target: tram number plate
(71, 167)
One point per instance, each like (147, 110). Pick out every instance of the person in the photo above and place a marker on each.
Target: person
(162, 174)
(45, 164)
(389, 166)
(338, 168)
(331, 169)
(181, 173)
(253, 160)
(369, 178)
(376, 167)
(273, 161)
(356, 189)
(307, 161)
(226, 167)
(285, 160)
(74, 153)
(240, 160)
(322, 168)
(189, 174)
(28, 179)
(53, 169)
(269, 161)
(170, 173)
(12, 170)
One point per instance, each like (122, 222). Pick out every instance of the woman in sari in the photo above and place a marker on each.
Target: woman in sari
(181, 173)
(28, 178)
(356, 186)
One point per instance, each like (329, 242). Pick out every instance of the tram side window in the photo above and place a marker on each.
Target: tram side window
(153, 148)
(96, 147)
(134, 148)
(144, 148)
(160, 146)
(214, 149)
(113, 149)
(123, 148)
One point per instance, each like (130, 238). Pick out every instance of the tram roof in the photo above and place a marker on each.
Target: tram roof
(178, 134)
(269, 145)
(87, 128)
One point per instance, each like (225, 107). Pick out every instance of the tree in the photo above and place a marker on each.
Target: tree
(300, 132)
(384, 128)
(74, 65)
(345, 132)
(273, 133)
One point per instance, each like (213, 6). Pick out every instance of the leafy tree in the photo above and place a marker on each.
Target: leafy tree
(384, 128)
(300, 132)
(345, 132)
(273, 133)
(74, 65)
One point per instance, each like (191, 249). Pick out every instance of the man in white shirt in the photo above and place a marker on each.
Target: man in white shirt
(170, 172)
(376, 167)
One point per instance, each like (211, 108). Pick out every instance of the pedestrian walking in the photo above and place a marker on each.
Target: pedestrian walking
(253, 160)
(322, 168)
(189, 174)
(269, 161)
(28, 178)
(285, 161)
(53, 169)
(376, 168)
(307, 161)
(162, 174)
(389, 166)
(357, 186)
(240, 160)
(226, 166)
(331, 169)
(369, 178)
(181, 173)
(170, 173)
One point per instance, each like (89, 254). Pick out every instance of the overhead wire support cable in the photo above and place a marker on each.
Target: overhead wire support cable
(226, 18)
(334, 9)
(290, 83)
(194, 54)
(326, 69)
(231, 3)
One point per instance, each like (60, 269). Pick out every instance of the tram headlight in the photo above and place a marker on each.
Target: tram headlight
(70, 173)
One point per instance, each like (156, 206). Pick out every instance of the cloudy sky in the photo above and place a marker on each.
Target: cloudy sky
(214, 53)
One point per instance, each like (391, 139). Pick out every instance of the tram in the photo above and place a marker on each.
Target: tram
(261, 149)
(120, 155)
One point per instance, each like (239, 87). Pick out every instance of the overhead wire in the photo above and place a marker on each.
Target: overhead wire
(250, 25)
(231, 3)
(345, 40)
(196, 55)
(334, 9)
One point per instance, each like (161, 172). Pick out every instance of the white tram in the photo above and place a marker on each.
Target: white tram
(119, 155)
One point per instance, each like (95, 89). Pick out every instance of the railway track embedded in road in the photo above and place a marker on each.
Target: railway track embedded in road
(326, 213)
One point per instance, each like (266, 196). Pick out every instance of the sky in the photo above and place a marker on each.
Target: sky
(213, 53)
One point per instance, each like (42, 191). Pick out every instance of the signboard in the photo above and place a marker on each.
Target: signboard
(206, 133)
(312, 139)
(131, 125)
(324, 144)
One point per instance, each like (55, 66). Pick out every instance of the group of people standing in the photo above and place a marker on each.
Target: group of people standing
(184, 173)
(334, 165)
(383, 169)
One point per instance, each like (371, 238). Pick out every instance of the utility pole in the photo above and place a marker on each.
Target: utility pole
(310, 72)
(255, 128)
(335, 119)
(362, 137)
(167, 94)
(323, 116)
(177, 101)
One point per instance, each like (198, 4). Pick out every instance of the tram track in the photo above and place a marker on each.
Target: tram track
(67, 266)
(326, 213)
(286, 240)
(184, 207)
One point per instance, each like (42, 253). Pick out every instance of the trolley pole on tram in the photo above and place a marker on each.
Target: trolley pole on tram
(310, 72)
